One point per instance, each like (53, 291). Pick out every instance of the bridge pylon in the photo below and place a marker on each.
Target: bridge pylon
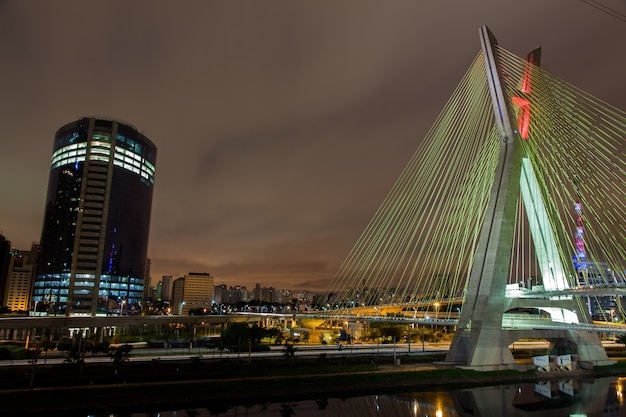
(480, 341)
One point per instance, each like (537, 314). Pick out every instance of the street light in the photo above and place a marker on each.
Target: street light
(436, 321)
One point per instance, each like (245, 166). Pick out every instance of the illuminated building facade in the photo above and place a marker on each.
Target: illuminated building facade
(197, 291)
(94, 241)
(20, 279)
(194, 291)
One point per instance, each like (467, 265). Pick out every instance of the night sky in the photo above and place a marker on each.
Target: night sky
(280, 125)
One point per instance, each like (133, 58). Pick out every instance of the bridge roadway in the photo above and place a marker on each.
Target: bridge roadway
(509, 321)
(583, 291)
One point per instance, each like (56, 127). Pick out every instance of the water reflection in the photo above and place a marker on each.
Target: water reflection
(568, 398)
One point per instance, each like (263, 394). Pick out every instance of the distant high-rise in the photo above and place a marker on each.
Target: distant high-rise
(178, 292)
(166, 291)
(197, 291)
(94, 241)
(220, 294)
(193, 291)
(20, 279)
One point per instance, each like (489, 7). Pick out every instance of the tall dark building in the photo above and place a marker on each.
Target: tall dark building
(94, 241)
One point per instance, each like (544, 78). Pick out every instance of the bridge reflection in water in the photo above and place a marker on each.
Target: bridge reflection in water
(599, 397)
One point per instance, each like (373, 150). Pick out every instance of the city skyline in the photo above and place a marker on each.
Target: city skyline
(280, 128)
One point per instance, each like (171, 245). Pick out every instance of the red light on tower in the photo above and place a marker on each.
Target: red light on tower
(523, 116)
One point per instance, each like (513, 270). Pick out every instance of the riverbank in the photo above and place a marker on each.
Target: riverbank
(247, 383)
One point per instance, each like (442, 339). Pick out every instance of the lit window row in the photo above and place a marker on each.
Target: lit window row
(100, 151)
(69, 154)
(46, 293)
(55, 279)
(135, 159)
(131, 163)
(95, 144)
(99, 158)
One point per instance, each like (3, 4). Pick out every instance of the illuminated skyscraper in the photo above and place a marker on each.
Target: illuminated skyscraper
(193, 291)
(94, 241)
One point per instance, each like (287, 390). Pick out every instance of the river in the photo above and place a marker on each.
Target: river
(567, 398)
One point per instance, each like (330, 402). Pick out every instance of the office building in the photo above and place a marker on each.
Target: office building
(166, 290)
(220, 294)
(94, 241)
(193, 291)
(178, 292)
(20, 279)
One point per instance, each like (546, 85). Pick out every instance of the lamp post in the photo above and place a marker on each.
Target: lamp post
(436, 321)
(409, 336)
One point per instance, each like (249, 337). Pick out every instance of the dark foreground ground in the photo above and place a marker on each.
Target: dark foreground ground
(76, 388)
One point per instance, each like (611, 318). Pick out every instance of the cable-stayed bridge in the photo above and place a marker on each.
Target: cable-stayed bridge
(507, 223)
(509, 217)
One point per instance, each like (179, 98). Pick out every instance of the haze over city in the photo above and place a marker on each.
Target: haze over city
(280, 125)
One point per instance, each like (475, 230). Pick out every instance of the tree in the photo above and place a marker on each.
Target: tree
(234, 334)
(44, 344)
(256, 333)
(289, 351)
(5, 354)
(274, 333)
(102, 347)
(387, 330)
(238, 336)
(120, 354)
(64, 345)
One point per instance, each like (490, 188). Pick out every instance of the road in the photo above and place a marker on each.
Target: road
(172, 354)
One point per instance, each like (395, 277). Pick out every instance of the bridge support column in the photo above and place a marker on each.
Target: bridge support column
(588, 345)
(482, 348)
